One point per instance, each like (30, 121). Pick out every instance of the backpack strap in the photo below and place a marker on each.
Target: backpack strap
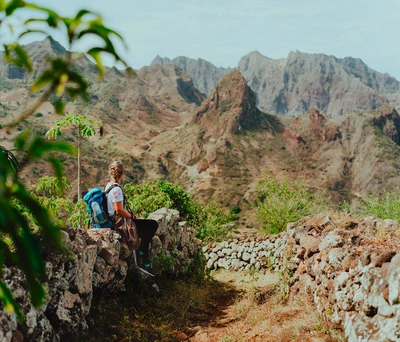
(112, 187)
(129, 210)
(106, 192)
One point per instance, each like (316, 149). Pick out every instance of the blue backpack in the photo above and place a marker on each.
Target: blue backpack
(96, 206)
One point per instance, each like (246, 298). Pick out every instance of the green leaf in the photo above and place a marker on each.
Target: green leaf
(31, 31)
(10, 158)
(14, 5)
(42, 216)
(16, 54)
(23, 57)
(96, 54)
(81, 13)
(57, 167)
(9, 303)
(59, 106)
(39, 147)
(52, 19)
(43, 80)
(21, 140)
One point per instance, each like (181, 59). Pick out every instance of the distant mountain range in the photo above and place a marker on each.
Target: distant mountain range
(218, 141)
(294, 85)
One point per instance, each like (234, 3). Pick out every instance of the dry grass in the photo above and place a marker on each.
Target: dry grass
(387, 236)
(232, 307)
(260, 314)
(145, 314)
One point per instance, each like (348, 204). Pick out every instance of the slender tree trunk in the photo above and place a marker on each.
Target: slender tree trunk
(79, 173)
(79, 164)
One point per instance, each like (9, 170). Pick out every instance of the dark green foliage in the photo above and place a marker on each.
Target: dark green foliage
(210, 221)
(278, 203)
(158, 194)
(14, 227)
(236, 210)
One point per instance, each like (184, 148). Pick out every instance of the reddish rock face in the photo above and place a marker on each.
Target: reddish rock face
(388, 120)
(231, 108)
(321, 127)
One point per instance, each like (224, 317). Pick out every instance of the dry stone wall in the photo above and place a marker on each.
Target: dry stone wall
(351, 266)
(97, 262)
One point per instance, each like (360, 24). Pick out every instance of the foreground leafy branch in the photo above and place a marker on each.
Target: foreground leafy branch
(17, 242)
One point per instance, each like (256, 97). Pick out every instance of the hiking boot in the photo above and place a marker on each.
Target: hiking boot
(146, 268)
(139, 258)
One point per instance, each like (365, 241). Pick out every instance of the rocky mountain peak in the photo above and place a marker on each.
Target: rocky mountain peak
(204, 74)
(172, 81)
(160, 60)
(47, 46)
(230, 108)
(303, 81)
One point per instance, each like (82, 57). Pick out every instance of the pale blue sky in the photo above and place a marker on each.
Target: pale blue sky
(222, 31)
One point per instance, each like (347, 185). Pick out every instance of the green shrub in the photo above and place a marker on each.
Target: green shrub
(210, 221)
(147, 198)
(386, 206)
(236, 210)
(214, 224)
(277, 203)
(49, 192)
(38, 115)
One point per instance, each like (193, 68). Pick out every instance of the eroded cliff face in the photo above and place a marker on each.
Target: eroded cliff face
(98, 262)
(204, 74)
(230, 108)
(229, 138)
(301, 81)
(294, 85)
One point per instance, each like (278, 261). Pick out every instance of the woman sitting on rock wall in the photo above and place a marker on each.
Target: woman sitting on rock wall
(126, 223)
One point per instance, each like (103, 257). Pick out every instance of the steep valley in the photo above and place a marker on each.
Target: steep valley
(218, 147)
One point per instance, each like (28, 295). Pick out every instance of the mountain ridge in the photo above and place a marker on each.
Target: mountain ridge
(218, 147)
(301, 81)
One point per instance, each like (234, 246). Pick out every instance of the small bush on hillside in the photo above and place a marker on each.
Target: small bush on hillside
(214, 224)
(48, 191)
(277, 203)
(384, 207)
(236, 209)
(147, 198)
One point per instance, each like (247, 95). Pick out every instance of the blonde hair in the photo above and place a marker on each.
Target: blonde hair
(116, 169)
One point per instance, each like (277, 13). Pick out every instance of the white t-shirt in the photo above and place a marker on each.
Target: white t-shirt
(114, 196)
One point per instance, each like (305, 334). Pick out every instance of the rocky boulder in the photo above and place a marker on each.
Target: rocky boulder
(98, 261)
(350, 265)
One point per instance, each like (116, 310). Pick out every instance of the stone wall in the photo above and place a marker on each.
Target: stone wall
(98, 262)
(352, 266)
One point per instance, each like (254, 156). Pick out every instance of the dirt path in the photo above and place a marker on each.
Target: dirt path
(257, 311)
